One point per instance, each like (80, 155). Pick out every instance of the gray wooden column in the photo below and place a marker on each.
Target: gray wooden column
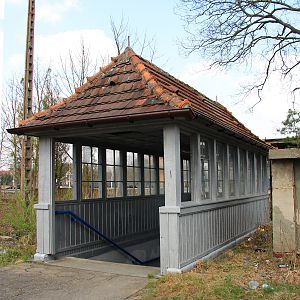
(45, 209)
(169, 214)
(76, 172)
(172, 165)
(195, 168)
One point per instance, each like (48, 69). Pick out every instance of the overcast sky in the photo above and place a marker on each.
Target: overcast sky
(60, 25)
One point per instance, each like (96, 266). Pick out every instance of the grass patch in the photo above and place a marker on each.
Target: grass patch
(17, 231)
(228, 276)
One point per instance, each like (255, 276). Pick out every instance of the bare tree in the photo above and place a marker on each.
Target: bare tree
(12, 108)
(234, 31)
(75, 68)
(123, 36)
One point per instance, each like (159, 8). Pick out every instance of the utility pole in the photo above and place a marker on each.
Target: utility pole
(26, 167)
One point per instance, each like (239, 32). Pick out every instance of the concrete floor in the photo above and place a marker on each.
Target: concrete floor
(73, 278)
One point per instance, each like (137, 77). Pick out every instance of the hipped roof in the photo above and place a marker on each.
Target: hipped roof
(130, 88)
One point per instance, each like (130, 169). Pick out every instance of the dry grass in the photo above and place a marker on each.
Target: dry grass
(17, 231)
(228, 276)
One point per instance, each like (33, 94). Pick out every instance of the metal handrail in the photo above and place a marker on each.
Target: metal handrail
(74, 217)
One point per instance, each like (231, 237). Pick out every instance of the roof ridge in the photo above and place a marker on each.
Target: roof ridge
(163, 94)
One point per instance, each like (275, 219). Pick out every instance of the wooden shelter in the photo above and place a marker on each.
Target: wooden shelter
(153, 159)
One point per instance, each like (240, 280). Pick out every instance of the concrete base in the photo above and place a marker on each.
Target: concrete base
(40, 257)
(105, 267)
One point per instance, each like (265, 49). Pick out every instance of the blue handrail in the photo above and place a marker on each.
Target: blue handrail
(74, 217)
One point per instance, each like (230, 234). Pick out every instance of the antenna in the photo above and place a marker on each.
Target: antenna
(128, 41)
(26, 166)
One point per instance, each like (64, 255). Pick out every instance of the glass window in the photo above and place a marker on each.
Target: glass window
(251, 173)
(161, 170)
(63, 158)
(220, 161)
(186, 176)
(150, 178)
(114, 174)
(205, 169)
(243, 172)
(258, 176)
(91, 173)
(232, 168)
(134, 181)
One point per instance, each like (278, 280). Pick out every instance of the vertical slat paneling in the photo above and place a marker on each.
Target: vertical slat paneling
(117, 218)
(203, 231)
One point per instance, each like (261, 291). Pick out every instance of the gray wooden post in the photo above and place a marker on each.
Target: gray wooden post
(169, 214)
(45, 209)
(195, 168)
(76, 172)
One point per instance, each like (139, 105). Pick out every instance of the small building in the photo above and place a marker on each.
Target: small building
(154, 161)
(285, 166)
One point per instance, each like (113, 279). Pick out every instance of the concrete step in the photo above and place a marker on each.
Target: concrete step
(105, 267)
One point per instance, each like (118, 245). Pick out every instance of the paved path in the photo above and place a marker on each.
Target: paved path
(73, 279)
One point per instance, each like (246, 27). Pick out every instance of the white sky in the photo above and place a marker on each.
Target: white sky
(61, 24)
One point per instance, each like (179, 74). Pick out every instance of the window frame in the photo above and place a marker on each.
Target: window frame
(99, 166)
(113, 166)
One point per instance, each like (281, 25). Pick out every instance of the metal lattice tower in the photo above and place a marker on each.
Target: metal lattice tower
(26, 168)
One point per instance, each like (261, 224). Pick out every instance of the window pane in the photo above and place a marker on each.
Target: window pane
(110, 173)
(137, 174)
(205, 167)
(153, 188)
(86, 190)
(119, 189)
(152, 163)
(147, 174)
(161, 187)
(117, 158)
(86, 172)
(161, 162)
(147, 188)
(118, 173)
(96, 190)
(161, 175)
(153, 175)
(130, 174)
(220, 168)
(95, 155)
(129, 159)
(109, 156)
(136, 160)
(96, 173)
(146, 161)
(86, 154)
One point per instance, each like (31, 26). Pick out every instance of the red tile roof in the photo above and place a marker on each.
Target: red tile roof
(132, 87)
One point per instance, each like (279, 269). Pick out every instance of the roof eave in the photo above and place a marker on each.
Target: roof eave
(185, 112)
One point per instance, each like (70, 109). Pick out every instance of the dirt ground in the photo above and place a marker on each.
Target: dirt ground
(39, 281)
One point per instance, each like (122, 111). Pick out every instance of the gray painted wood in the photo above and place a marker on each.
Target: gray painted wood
(119, 219)
(210, 227)
(172, 163)
(45, 206)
